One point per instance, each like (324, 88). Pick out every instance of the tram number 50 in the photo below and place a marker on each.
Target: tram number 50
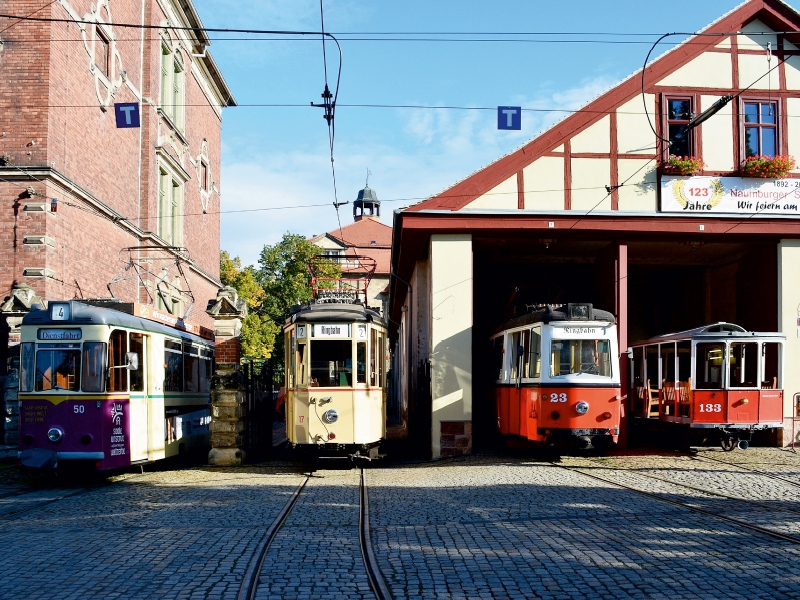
(562, 397)
(78, 409)
(711, 408)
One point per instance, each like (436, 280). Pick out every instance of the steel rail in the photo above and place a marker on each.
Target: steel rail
(247, 591)
(764, 473)
(703, 490)
(376, 581)
(763, 530)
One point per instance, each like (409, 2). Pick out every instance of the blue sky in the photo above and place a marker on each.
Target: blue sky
(278, 157)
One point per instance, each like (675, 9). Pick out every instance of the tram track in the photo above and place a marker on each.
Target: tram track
(744, 468)
(249, 586)
(691, 507)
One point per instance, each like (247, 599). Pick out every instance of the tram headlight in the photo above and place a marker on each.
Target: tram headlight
(54, 434)
(582, 407)
(330, 416)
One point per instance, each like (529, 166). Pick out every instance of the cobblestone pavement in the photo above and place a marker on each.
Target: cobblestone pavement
(316, 554)
(170, 534)
(493, 527)
(487, 526)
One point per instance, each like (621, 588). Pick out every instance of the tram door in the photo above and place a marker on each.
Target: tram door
(140, 429)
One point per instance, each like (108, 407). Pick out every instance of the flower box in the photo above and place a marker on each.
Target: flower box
(683, 165)
(768, 167)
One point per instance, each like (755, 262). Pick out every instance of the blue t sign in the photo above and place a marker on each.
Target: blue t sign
(509, 117)
(127, 114)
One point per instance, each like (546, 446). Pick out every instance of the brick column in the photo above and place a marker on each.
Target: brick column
(228, 397)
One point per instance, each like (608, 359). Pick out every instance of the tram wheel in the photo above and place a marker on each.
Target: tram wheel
(728, 443)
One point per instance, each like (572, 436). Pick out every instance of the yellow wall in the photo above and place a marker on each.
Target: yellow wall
(451, 332)
(634, 135)
(639, 193)
(589, 178)
(595, 138)
(503, 196)
(544, 184)
(717, 136)
(709, 70)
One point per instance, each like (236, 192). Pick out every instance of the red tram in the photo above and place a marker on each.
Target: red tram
(718, 377)
(558, 377)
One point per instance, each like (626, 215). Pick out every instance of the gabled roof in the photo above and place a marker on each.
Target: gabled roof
(773, 13)
(366, 233)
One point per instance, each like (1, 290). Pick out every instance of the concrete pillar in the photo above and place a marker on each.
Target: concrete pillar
(789, 323)
(14, 307)
(621, 312)
(451, 316)
(228, 397)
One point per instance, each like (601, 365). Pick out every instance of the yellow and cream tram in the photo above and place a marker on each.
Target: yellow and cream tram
(109, 388)
(336, 362)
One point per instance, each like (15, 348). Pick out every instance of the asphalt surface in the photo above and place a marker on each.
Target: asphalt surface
(489, 526)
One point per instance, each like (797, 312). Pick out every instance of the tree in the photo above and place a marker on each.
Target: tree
(258, 331)
(282, 280)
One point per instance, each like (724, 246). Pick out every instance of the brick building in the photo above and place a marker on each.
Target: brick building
(75, 189)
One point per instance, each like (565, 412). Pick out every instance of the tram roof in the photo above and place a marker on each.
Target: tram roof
(314, 312)
(709, 332)
(548, 315)
(86, 314)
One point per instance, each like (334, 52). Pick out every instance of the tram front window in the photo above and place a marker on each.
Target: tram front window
(58, 369)
(331, 363)
(744, 364)
(572, 357)
(710, 360)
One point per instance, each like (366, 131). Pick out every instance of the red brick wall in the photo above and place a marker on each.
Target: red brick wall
(228, 350)
(46, 65)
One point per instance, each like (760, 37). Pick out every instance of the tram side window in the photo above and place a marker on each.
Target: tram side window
(744, 364)
(361, 362)
(301, 364)
(708, 371)
(770, 365)
(191, 368)
(94, 365)
(651, 360)
(684, 361)
(173, 366)
(497, 357)
(206, 369)
(117, 348)
(58, 367)
(668, 362)
(137, 377)
(638, 367)
(534, 362)
(331, 363)
(27, 366)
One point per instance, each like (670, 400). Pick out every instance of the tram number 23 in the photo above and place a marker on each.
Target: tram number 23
(710, 408)
(562, 397)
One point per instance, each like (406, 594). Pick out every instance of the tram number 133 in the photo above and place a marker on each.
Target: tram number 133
(710, 408)
(558, 397)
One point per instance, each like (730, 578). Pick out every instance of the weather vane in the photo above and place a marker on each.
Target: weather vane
(368, 174)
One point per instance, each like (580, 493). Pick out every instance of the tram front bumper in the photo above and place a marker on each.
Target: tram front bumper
(39, 458)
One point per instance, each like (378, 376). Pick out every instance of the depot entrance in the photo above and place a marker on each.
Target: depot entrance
(672, 285)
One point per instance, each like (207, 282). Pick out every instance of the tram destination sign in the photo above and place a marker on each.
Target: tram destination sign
(739, 195)
(331, 330)
(59, 334)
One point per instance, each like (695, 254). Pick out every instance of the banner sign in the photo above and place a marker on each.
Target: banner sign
(738, 195)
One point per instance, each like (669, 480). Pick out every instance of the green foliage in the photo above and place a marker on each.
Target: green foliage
(281, 280)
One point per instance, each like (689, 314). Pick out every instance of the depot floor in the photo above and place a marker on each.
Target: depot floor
(488, 526)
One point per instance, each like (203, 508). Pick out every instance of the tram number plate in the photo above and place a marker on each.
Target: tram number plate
(562, 397)
(710, 408)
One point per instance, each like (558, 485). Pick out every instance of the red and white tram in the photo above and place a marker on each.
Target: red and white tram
(718, 377)
(557, 377)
